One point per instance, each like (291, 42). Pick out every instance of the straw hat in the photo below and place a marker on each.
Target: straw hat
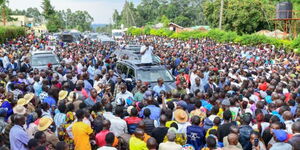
(19, 109)
(180, 116)
(28, 97)
(22, 102)
(71, 96)
(44, 123)
(62, 94)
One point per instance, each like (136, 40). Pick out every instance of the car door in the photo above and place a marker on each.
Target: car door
(122, 70)
(131, 73)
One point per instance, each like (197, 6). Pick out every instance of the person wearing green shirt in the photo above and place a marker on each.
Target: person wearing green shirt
(139, 96)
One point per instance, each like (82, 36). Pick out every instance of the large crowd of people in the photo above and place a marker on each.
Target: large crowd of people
(227, 96)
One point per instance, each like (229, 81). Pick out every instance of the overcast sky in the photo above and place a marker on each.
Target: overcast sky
(100, 10)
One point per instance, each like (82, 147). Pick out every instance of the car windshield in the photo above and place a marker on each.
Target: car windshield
(117, 34)
(152, 75)
(93, 36)
(44, 60)
(67, 38)
(133, 48)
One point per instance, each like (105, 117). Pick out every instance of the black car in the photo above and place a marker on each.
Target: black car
(133, 70)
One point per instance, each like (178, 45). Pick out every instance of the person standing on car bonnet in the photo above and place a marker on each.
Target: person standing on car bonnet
(146, 51)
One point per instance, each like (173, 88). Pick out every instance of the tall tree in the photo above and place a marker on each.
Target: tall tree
(34, 13)
(242, 16)
(54, 23)
(148, 9)
(128, 14)
(48, 9)
(116, 18)
(80, 20)
(5, 12)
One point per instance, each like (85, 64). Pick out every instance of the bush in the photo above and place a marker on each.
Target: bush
(10, 32)
(161, 32)
(135, 31)
(296, 43)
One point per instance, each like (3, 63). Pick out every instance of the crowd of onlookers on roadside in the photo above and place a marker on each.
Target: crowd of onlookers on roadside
(227, 96)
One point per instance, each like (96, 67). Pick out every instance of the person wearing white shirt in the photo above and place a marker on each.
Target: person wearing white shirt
(146, 52)
(5, 60)
(68, 60)
(288, 116)
(118, 125)
(193, 77)
(79, 67)
(123, 95)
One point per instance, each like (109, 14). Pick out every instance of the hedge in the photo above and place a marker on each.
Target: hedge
(220, 36)
(10, 32)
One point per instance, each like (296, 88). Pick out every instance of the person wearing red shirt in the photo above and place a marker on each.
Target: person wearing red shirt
(100, 137)
(182, 77)
(132, 121)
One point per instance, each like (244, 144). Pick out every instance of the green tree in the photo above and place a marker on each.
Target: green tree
(148, 10)
(84, 20)
(106, 29)
(48, 9)
(182, 21)
(242, 16)
(54, 23)
(116, 18)
(34, 13)
(80, 20)
(128, 15)
(165, 20)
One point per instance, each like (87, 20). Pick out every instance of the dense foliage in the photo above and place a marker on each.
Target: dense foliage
(220, 36)
(57, 20)
(10, 33)
(241, 16)
(182, 12)
(80, 20)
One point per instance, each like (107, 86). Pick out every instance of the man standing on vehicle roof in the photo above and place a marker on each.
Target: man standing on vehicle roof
(146, 51)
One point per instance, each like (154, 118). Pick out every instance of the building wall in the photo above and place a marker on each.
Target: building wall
(21, 21)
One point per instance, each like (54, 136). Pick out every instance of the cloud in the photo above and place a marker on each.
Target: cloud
(100, 10)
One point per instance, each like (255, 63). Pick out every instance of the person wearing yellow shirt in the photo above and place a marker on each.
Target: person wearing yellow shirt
(81, 132)
(136, 142)
(217, 122)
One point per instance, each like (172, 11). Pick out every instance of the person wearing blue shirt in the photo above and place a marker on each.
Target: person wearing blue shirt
(87, 85)
(196, 134)
(8, 103)
(37, 86)
(91, 70)
(159, 87)
(155, 111)
(50, 99)
(18, 138)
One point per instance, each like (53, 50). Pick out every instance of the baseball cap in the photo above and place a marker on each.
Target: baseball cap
(280, 135)
(147, 94)
(182, 104)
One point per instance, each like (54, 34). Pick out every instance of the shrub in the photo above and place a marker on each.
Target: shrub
(10, 32)
(296, 43)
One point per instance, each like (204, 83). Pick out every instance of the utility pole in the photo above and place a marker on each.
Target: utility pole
(221, 14)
